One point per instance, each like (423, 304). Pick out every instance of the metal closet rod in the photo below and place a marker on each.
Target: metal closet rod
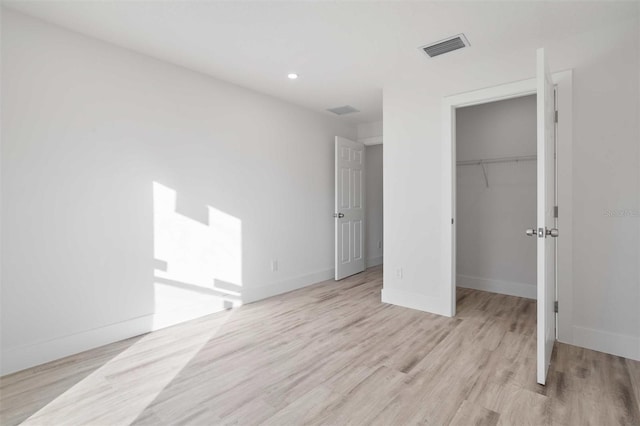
(497, 160)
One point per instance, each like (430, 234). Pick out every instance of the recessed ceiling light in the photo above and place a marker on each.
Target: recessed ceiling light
(292, 76)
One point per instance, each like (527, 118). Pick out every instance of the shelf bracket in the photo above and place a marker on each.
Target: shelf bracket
(484, 172)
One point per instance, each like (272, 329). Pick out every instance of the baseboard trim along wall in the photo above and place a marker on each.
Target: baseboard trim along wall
(16, 359)
(253, 294)
(413, 300)
(603, 341)
(258, 293)
(497, 286)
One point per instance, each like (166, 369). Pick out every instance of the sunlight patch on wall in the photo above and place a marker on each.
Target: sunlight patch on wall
(197, 264)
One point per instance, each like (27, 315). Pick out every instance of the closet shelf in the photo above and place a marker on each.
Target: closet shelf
(484, 161)
(497, 160)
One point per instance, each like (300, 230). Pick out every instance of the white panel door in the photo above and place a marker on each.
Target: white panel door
(545, 216)
(349, 208)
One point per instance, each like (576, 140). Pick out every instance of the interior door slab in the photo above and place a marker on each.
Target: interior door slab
(349, 207)
(545, 216)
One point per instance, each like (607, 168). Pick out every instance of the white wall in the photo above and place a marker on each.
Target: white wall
(374, 204)
(137, 193)
(606, 135)
(370, 133)
(493, 253)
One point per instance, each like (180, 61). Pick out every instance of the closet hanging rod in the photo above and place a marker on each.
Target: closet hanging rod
(497, 160)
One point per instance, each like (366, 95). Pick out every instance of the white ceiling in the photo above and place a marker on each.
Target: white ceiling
(343, 51)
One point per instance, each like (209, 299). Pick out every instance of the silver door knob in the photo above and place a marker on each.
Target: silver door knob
(338, 215)
(531, 232)
(553, 232)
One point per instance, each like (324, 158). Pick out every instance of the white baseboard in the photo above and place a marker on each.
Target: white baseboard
(418, 301)
(375, 261)
(603, 341)
(19, 358)
(253, 294)
(16, 359)
(497, 286)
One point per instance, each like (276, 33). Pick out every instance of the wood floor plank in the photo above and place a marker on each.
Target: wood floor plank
(311, 408)
(332, 354)
(471, 414)
(634, 377)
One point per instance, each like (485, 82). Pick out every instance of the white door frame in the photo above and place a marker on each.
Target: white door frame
(564, 84)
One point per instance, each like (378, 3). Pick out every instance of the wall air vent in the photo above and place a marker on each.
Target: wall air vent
(445, 46)
(347, 109)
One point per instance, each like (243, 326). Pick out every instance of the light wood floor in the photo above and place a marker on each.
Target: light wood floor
(332, 354)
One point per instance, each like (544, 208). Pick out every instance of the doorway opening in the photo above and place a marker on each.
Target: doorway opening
(496, 197)
(549, 269)
(358, 203)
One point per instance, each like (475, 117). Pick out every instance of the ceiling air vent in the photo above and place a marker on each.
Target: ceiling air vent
(445, 46)
(347, 109)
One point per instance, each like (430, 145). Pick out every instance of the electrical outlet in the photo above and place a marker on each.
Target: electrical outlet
(399, 273)
(274, 266)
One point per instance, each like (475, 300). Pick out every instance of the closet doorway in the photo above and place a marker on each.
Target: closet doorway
(496, 196)
(554, 188)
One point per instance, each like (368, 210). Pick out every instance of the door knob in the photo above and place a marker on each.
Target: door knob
(553, 232)
(531, 232)
(338, 215)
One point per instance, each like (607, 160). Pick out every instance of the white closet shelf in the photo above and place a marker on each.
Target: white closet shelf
(484, 161)
(497, 160)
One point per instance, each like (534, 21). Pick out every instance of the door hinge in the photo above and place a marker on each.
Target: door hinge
(452, 221)
(555, 211)
(555, 307)
(556, 116)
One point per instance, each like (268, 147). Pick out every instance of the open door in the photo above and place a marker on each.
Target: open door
(545, 216)
(349, 208)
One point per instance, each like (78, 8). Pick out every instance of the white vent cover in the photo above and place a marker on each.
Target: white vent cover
(445, 46)
(347, 109)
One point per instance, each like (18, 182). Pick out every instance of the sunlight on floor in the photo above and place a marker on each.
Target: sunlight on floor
(121, 389)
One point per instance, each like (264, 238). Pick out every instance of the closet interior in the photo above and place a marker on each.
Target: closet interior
(496, 196)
